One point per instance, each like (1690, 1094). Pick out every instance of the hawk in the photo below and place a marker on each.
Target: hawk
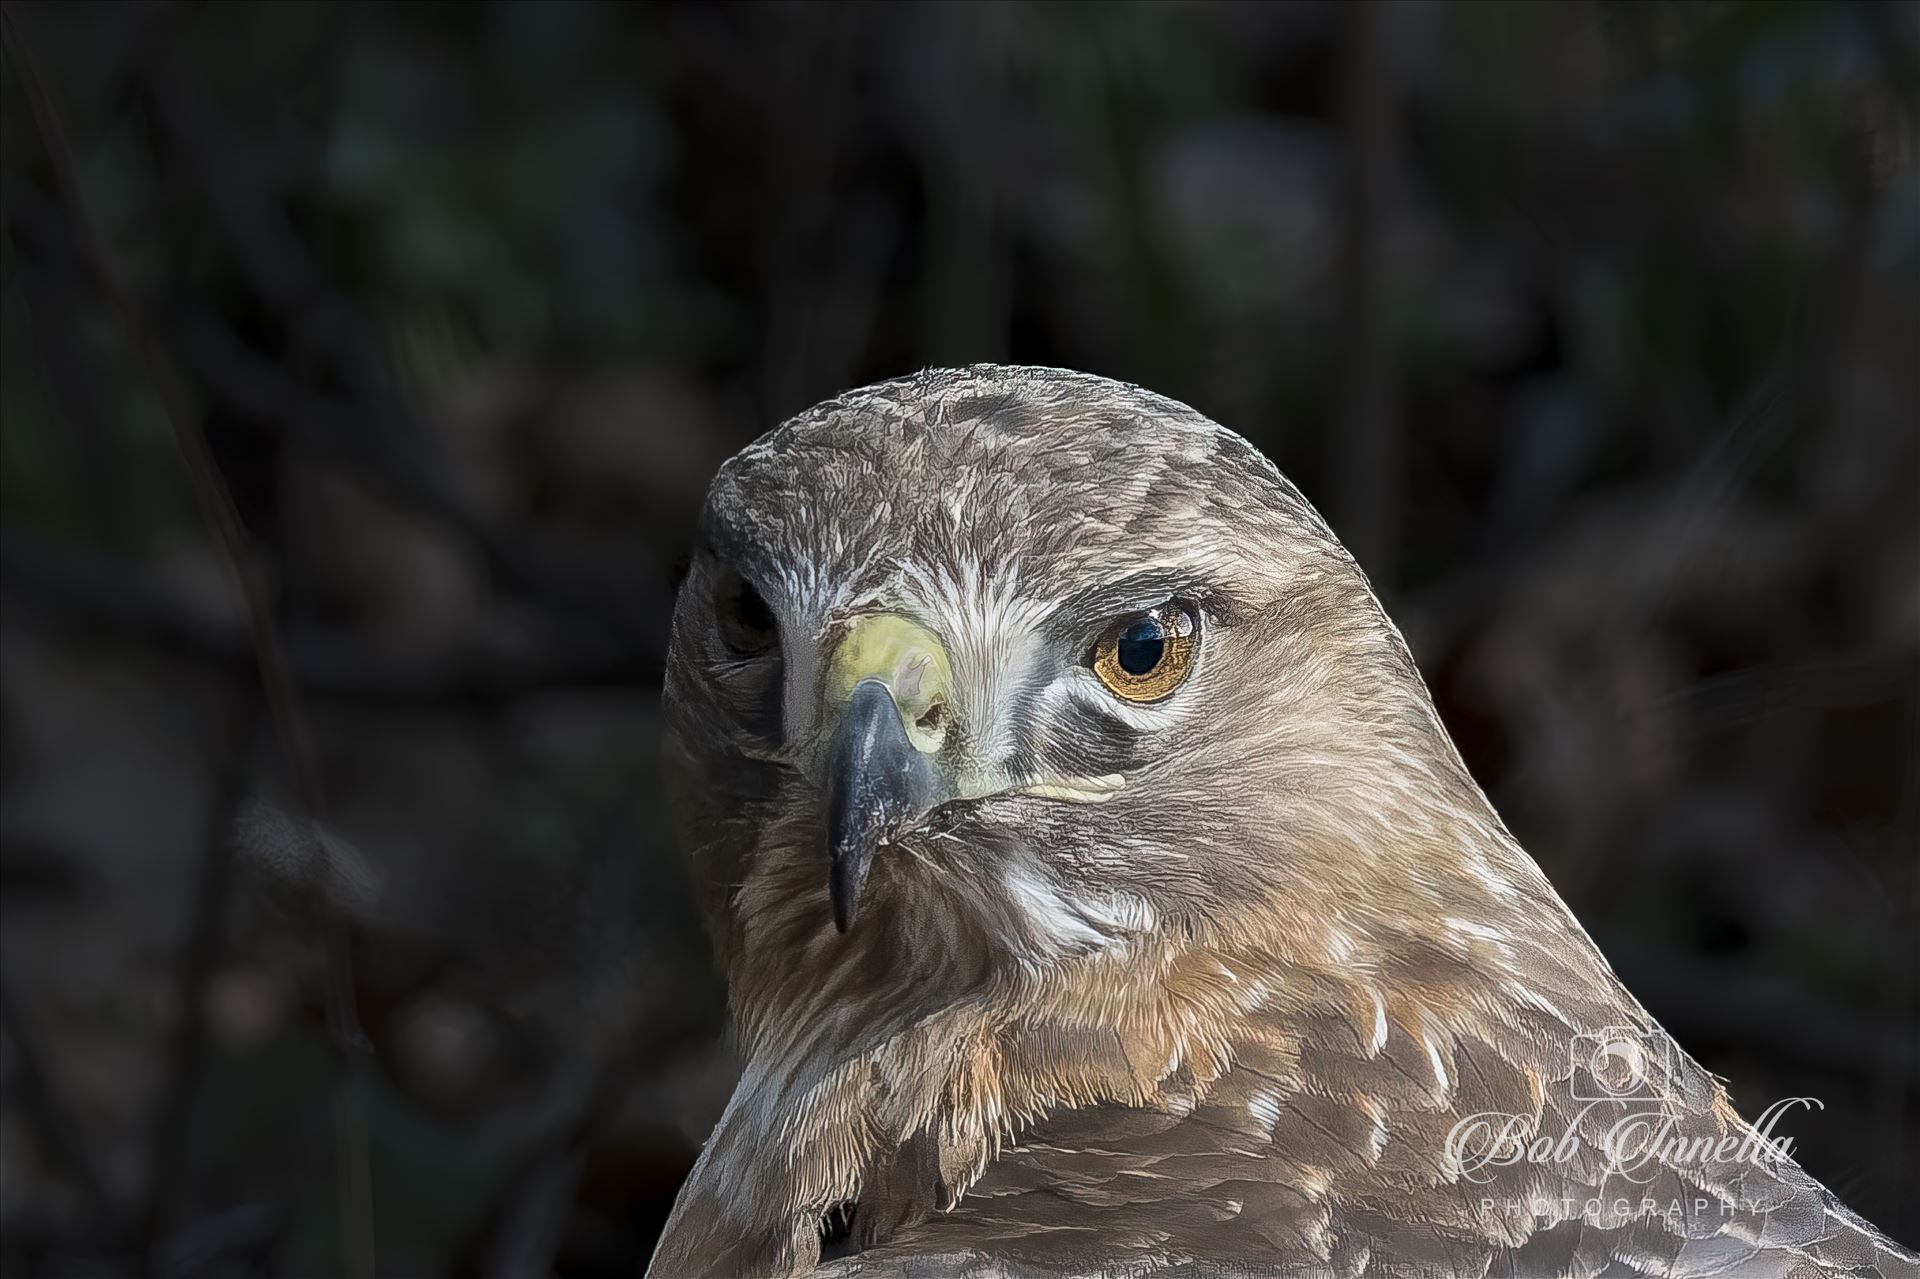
(1100, 894)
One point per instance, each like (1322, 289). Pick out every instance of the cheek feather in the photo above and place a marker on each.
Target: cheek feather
(1049, 916)
(1064, 922)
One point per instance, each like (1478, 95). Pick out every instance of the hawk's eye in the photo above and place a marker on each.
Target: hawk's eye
(1144, 657)
(746, 623)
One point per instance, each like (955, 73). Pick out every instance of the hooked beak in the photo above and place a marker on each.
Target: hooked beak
(880, 771)
(877, 782)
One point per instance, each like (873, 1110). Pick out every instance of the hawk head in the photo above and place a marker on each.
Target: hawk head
(995, 668)
(1003, 704)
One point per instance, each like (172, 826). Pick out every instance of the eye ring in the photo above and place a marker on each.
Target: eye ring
(1144, 657)
(746, 621)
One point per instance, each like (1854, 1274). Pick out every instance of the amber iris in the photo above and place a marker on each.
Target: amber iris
(1145, 656)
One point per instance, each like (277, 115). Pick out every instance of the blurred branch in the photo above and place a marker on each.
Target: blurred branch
(227, 532)
(61, 1137)
(210, 492)
(267, 395)
(523, 1238)
(51, 280)
(247, 1231)
(374, 427)
(1366, 459)
(169, 1160)
(323, 322)
(118, 595)
(529, 1236)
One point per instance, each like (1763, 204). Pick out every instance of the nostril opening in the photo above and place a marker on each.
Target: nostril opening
(933, 717)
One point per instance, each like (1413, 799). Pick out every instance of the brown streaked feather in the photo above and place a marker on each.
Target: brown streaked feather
(1247, 1182)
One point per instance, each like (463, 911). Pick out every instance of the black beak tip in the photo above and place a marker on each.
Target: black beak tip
(846, 876)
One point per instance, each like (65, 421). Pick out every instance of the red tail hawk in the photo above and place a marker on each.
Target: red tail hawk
(1099, 893)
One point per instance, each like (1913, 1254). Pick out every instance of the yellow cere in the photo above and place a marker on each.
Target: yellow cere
(909, 659)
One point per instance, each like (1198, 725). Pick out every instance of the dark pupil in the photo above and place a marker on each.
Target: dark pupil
(1141, 647)
(752, 611)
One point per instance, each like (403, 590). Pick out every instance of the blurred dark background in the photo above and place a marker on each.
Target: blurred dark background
(1594, 328)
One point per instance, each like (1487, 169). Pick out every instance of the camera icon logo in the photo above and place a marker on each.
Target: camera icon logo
(1620, 1063)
